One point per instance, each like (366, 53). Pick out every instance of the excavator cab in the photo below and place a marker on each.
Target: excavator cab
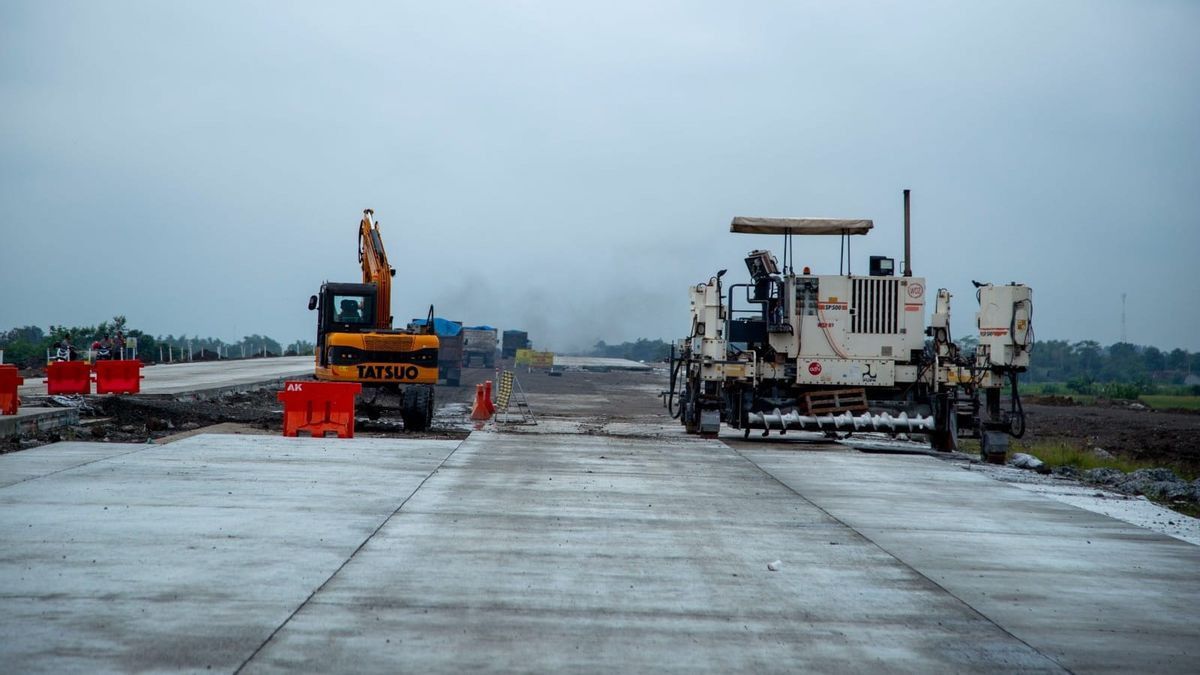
(342, 308)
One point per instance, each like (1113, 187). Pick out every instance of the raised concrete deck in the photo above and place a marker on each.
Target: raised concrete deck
(207, 377)
(30, 420)
(1091, 592)
(565, 552)
(182, 556)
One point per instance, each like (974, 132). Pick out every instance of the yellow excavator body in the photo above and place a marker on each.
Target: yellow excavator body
(356, 341)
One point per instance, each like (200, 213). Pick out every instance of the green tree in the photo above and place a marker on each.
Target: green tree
(1177, 359)
(638, 350)
(300, 348)
(147, 346)
(25, 346)
(1053, 361)
(1090, 358)
(967, 344)
(1153, 359)
(1125, 364)
(32, 334)
(254, 346)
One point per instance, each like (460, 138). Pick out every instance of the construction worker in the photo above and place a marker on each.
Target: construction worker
(65, 351)
(117, 348)
(349, 311)
(104, 349)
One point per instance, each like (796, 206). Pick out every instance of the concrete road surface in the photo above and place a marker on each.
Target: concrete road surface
(207, 376)
(565, 552)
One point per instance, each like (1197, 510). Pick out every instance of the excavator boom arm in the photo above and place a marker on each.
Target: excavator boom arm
(375, 268)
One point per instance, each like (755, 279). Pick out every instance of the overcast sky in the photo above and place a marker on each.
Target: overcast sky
(571, 168)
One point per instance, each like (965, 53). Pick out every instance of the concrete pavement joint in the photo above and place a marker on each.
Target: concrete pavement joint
(345, 562)
(901, 561)
(82, 464)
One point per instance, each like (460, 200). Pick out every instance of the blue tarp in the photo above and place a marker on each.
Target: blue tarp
(443, 327)
(479, 327)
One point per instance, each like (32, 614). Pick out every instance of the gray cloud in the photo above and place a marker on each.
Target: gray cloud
(571, 168)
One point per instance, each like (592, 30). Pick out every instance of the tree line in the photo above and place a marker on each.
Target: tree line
(27, 346)
(1080, 363)
(638, 350)
(1088, 361)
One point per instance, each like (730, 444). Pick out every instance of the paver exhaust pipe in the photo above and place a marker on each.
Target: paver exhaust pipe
(907, 237)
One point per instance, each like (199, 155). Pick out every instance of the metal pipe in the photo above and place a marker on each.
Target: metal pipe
(907, 237)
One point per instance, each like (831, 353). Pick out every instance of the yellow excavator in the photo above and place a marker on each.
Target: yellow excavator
(356, 341)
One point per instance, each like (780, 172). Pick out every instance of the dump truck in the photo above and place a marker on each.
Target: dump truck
(450, 348)
(514, 340)
(844, 353)
(479, 344)
(356, 341)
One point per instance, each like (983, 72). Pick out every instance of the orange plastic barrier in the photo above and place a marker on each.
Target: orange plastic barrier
(487, 397)
(68, 377)
(9, 381)
(480, 411)
(318, 408)
(118, 377)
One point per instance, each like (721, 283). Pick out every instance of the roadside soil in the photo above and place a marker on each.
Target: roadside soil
(1137, 433)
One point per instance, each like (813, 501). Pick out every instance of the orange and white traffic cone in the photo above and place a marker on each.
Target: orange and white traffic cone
(481, 411)
(487, 397)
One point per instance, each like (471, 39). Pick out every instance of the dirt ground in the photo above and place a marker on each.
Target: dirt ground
(1119, 428)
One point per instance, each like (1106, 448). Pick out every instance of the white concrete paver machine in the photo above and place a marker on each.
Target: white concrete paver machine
(844, 353)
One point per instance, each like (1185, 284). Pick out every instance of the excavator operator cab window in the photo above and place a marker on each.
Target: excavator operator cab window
(353, 309)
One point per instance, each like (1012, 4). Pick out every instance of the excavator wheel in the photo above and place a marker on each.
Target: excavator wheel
(417, 409)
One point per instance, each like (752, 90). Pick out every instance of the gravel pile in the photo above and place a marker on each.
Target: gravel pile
(1160, 484)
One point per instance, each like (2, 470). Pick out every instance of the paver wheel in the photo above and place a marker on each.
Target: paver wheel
(690, 416)
(945, 439)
